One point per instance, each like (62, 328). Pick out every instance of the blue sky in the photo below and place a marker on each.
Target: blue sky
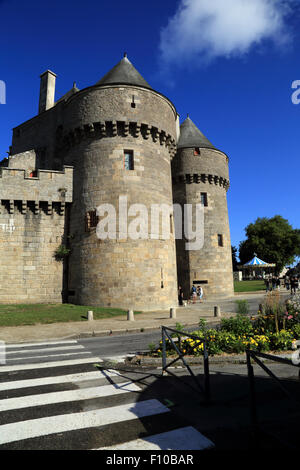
(230, 65)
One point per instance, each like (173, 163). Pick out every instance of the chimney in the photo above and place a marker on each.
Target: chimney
(47, 91)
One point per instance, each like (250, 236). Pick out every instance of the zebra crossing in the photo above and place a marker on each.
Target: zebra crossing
(56, 395)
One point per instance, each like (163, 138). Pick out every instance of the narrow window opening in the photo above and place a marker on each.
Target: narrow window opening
(133, 105)
(220, 240)
(196, 151)
(128, 159)
(204, 199)
(171, 223)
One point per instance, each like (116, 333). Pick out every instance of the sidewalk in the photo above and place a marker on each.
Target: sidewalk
(187, 316)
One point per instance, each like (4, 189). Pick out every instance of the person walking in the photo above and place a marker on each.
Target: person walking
(200, 293)
(287, 283)
(293, 286)
(194, 294)
(267, 283)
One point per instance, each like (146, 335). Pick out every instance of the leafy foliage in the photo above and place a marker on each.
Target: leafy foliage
(275, 328)
(272, 239)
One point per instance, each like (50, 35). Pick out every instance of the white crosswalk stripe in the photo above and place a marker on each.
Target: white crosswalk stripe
(45, 365)
(44, 401)
(63, 423)
(179, 439)
(62, 348)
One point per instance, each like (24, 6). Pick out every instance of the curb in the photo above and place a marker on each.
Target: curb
(230, 359)
(101, 333)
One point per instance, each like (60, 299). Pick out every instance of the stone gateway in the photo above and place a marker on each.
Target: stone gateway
(117, 138)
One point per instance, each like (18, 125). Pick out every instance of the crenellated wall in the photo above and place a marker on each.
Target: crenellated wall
(29, 237)
(33, 213)
(47, 185)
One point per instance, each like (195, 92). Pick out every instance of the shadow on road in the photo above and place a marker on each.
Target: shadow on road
(226, 421)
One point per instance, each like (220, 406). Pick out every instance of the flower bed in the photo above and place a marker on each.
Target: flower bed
(275, 328)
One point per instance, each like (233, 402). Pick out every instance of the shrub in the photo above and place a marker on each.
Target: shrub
(242, 307)
(152, 347)
(202, 324)
(238, 325)
(296, 331)
(264, 324)
(281, 341)
(61, 253)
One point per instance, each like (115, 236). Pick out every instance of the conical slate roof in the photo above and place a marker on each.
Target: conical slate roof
(190, 136)
(124, 73)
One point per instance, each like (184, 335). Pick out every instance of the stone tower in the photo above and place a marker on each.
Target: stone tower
(200, 176)
(120, 136)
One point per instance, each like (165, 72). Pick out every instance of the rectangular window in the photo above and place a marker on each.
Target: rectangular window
(204, 199)
(220, 240)
(196, 151)
(128, 159)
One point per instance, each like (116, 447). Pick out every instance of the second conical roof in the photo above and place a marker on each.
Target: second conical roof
(190, 136)
(124, 73)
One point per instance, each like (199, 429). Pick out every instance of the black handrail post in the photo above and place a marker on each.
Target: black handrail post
(253, 409)
(206, 373)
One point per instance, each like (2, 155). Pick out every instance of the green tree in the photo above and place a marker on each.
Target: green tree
(234, 258)
(274, 240)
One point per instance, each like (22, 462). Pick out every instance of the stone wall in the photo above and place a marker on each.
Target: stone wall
(40, 134)
(25, 160)
(32, 227)
(48, 185)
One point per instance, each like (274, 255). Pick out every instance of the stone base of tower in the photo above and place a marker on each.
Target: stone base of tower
(130, 274)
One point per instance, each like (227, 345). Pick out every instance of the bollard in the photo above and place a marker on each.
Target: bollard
(172, 312)
(130, 315)
(217, 311)
(90, 315)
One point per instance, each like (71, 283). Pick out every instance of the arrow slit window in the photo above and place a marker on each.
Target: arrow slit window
(220, 240)
(128, 159)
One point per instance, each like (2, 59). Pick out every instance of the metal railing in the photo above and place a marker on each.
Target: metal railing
(205, 388)
(250, 354)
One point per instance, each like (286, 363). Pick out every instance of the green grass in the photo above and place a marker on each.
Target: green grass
(249, 286)
(32, 314)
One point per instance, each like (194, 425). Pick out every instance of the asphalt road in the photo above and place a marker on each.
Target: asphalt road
(120, 345)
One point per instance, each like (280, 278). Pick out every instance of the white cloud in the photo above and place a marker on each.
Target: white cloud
(206, 29)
